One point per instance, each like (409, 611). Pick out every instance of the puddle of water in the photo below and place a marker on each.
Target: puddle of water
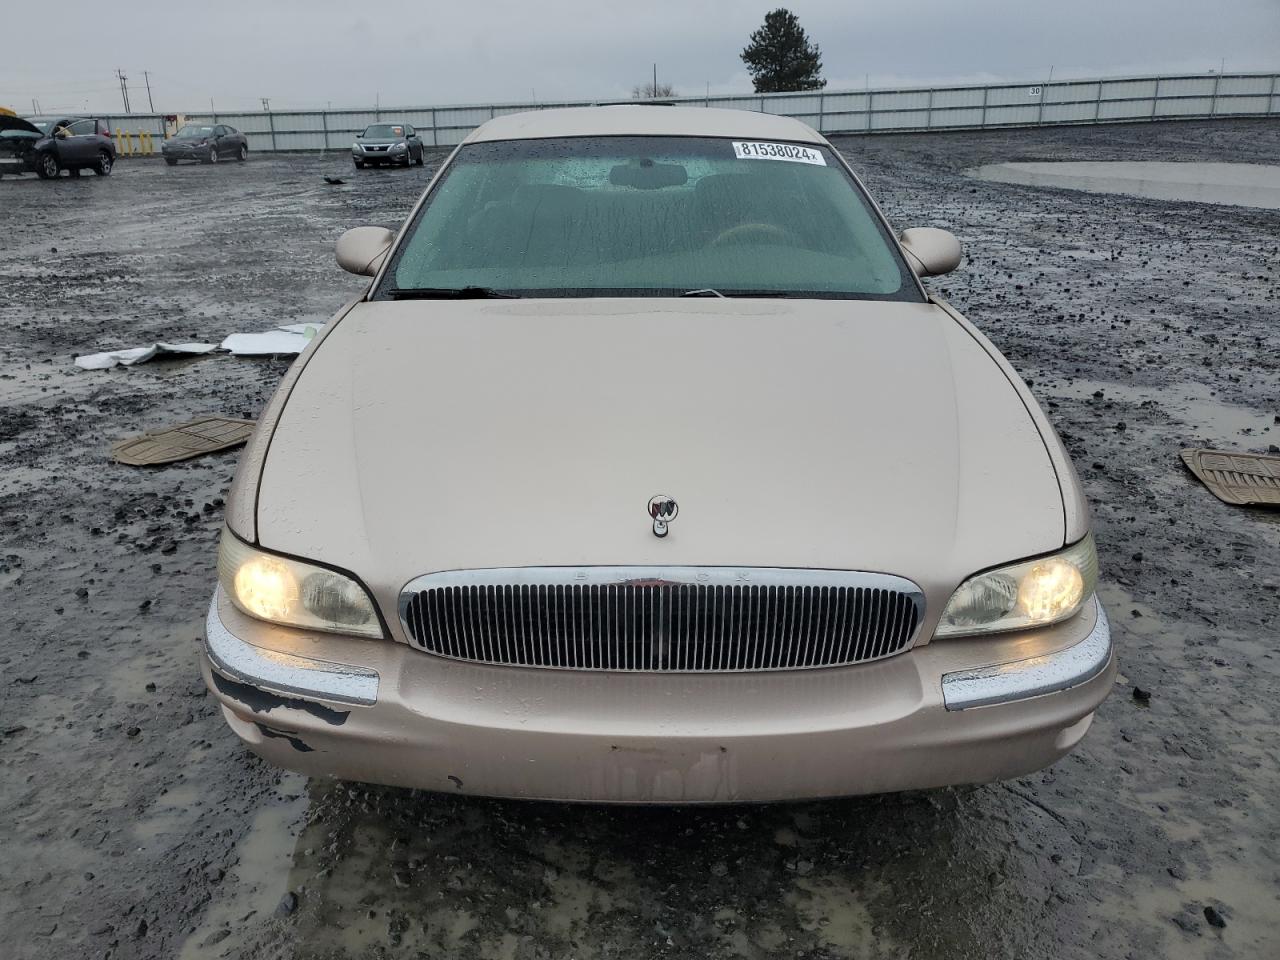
(170, 816)
(259, 878)
(1252, 908)
(1191, 403)
(1231, 184)
(839, 916)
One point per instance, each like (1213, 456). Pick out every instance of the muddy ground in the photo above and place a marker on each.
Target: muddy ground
(136, 826)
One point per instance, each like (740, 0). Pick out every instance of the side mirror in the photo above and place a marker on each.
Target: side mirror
(930, 251)
(362, 250)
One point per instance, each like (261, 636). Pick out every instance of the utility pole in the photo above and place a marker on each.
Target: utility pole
(654, 92)
(34, 109)
(124, 89)
(146, 76)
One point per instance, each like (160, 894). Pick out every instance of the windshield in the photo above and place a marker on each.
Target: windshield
(649, 216)
(383, 131)
(193, 132)
(44, 126)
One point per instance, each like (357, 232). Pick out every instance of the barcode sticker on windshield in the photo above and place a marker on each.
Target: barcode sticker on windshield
(755, 150)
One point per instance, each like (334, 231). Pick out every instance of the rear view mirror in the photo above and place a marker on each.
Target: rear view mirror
(647, 175)
(363, 249)
(930, 251)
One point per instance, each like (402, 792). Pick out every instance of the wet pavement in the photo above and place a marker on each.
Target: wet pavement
(1235, 184)
(136, 826)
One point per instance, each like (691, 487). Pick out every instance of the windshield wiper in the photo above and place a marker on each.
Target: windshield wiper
(704, 292)
(449, 293)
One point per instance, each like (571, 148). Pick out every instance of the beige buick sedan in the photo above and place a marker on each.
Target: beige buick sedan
(646, 470)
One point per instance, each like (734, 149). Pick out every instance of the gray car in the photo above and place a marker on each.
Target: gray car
(207, 143)
(390, 143)
(49, 145)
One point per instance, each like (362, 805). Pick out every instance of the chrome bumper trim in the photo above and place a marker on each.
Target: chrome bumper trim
(285, 672)
(1034, 677)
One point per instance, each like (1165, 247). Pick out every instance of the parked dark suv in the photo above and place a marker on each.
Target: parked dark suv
(49, 145)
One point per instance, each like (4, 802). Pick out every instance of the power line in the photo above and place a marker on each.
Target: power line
(124, 89)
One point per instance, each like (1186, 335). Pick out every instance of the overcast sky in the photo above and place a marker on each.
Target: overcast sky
(307, 53)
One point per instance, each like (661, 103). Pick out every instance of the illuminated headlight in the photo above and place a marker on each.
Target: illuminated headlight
(293, 593)
(1022, 595)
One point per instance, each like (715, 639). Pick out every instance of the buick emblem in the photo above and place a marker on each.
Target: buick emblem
(663, 510)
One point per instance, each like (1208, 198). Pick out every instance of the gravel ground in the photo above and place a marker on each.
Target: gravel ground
(136, 826)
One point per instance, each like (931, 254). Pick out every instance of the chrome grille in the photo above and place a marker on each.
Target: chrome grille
(686, 619)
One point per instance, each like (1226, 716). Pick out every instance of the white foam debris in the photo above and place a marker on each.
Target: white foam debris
(109, 358)
(290, 338)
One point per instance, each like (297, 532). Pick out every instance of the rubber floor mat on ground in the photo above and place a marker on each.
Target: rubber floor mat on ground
(191, 439)
(1239, 478)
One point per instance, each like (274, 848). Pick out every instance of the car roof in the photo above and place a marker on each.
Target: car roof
(643, 121)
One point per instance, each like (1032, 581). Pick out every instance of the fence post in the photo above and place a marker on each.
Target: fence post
(762, 103)
(871, 99)
(1155, 99)
(435, 136)
(822, 113)
(1213, 106)
(928, 113)
(985, 92)
(1271, 99)
(324, 123)
(271, 121)
(1097, 103)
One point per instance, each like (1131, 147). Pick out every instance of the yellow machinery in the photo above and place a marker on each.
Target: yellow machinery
(5, 111)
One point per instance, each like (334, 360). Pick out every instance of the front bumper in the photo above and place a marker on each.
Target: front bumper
(382, 712)
(380, 156)
(12, 165)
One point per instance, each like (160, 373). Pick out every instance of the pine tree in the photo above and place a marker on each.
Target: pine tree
(781, 58)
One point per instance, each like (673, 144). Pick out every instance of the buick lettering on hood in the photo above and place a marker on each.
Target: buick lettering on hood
(646, 469)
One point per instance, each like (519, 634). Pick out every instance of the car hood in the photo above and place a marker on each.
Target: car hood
(10, 124)
(436, 435)
(18, 133)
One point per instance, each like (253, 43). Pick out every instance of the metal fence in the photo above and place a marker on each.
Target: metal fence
(1121, 99)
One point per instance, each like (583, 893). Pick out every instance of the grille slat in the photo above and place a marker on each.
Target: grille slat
(661, 619)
